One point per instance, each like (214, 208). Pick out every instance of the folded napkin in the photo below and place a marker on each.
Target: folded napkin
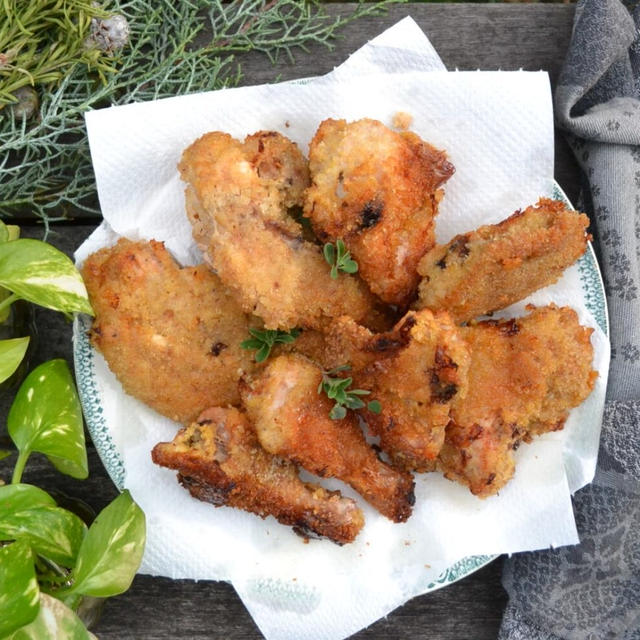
(592, 591)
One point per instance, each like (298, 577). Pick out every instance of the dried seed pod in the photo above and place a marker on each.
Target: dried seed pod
(27, 105)
(109, 34)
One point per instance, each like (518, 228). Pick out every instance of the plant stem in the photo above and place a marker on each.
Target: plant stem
(19, 468)
(7, 302)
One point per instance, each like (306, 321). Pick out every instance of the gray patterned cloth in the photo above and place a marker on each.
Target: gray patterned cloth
(592, 591)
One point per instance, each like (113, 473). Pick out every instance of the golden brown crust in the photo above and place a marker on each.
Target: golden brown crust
(171, 335)
(414, 371)
(237, 199)
(220, 461)
(525, 376)
(497, 265)
(377, 190)
(292, 420)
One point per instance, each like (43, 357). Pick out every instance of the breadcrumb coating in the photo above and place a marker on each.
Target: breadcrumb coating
(377, 190)
(171, 335)
(524, 377)
(220, 461)
(496, 265)
(237, 198)
(292, 420)
(415, 371)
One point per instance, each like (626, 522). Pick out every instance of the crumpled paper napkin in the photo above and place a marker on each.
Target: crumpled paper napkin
(497, 128)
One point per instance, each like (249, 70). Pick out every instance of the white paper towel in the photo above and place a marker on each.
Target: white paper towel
(498, 131)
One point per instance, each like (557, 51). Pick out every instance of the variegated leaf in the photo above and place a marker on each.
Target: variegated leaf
(40, 273)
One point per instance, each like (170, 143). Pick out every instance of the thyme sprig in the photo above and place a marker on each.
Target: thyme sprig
(339, 258)
(264, 339)
(337, 389)
(174, 49)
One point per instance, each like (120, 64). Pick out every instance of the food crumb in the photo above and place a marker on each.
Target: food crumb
(407, 543)
(402, 120)
(427, 566)
(286, 124)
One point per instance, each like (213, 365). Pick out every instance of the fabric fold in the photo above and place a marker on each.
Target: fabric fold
(592, 591)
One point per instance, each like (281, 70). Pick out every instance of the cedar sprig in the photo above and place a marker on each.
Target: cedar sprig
(45, 165)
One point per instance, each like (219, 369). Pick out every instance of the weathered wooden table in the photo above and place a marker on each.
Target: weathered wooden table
(467, 36)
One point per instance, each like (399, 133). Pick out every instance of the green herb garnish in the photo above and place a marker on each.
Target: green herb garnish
(339, 258)
(264, 339)
(338, 389)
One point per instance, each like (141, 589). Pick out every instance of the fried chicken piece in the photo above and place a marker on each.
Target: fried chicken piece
(525, 375)
(496, 265)
(292, 420)
(219, 460)
(237, 197)
(171, 335)
(377, 189)
(415, 371)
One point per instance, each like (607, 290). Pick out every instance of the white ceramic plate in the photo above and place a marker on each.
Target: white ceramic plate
(591, 292)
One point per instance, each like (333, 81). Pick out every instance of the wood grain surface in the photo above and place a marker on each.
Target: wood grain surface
(469, 36)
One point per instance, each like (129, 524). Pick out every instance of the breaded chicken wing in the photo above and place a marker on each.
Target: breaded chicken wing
(237, 197)
(415, 371)
(219, 460)
(171, 335)
(497, 265)
(525, 376)
(292, 420)
(377, 190)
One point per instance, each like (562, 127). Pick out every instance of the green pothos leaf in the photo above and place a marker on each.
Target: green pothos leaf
(46, 417)
(18, 497)
(54, 621)
(9, 232)
(111, 551)
(31, 515)
(40, 273)
(19, 602)
(11, 354)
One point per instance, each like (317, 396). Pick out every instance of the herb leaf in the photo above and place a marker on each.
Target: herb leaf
(37, 272)
(11, 354)
(46, 417)
(264, 339)
(374, 406)
(338, 389)
(19, 602)
(339, 258)
(111, 552)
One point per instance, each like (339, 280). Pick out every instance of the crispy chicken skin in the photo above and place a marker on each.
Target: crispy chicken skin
(497, 265)
(292, 420)
(219, 460)
(377, 189)
(415, 371)
(171, 335)
(237, 198)
(525, 375)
